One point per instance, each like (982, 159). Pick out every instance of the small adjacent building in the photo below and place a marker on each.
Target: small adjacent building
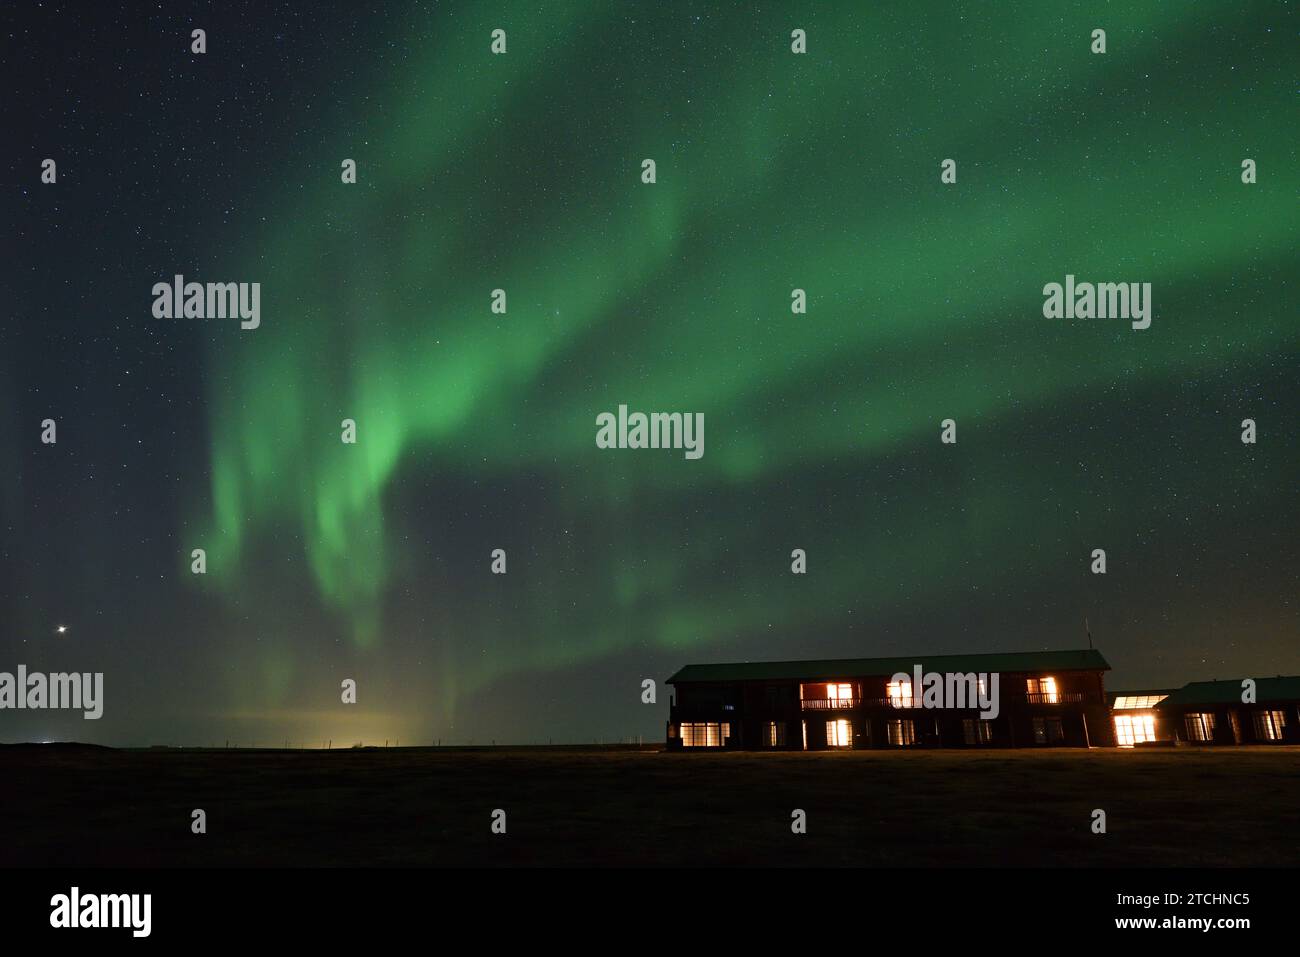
(1212, 712)
(1043, 699)
(1135, 718)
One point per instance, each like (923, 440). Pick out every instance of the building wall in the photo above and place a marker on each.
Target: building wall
(1173, 725)
(748, 707)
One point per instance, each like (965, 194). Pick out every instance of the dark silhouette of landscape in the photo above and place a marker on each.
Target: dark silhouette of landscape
(75, 805)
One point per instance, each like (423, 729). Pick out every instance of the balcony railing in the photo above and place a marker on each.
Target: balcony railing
(844, 704)
(830, 704)
(840, 704)
(1055, 697)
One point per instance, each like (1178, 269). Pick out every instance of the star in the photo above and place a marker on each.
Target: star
(62, 629)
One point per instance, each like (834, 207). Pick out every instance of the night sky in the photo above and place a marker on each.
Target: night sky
(476, 431)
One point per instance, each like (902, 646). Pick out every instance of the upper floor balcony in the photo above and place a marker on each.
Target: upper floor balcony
(1055, 697)
(841, 704)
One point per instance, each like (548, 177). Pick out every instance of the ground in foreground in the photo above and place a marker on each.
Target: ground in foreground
(72, 806)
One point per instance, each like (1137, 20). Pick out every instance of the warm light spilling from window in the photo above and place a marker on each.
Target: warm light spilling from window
(839, 692)
(705, 734)
(776, 734)
(1126, 702)
(1046, 687)
(1269, 724)
(839, 734)
(900, 693)
(1200, 727)
(1131, 729)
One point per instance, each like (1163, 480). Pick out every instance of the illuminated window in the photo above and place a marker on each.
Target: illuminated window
(705, 734)
(1042, 690)
(1269, 724)
(1131, 729)
(900, 693)
(1200, 727)
(901, 732)
(776, 734)
(1048, 731)
(839, 692)
(1126, 702)
(977, 731)
(839, 734)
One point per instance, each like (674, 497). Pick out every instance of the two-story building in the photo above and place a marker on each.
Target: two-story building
(1041, 698)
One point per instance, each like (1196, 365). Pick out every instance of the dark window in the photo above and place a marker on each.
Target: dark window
(902, 732)
(1048, 731)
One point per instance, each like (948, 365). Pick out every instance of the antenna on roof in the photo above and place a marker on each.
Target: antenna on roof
(1089, 631)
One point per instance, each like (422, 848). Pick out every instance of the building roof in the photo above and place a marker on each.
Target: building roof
(1025, 661)
(1280, 688)
(1141, 693)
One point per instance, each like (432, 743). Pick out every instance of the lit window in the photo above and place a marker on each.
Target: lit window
(977, 731)
(900, 693)
(1042, 690)
(1131, 729)
(902, 732)
(839, 691)
(839, 734)
(1269, 724)
(1127, 702)
(1200, 727)
(776, 734)
(705, 734)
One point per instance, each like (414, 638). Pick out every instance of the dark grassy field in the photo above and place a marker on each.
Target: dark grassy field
(71, 806)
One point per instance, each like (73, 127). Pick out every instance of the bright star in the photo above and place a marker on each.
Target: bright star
(62, 629)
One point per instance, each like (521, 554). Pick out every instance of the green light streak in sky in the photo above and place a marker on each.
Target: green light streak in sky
(774, 172)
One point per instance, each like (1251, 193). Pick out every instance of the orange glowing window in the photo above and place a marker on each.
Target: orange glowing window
(705, 734)
(1269, 724)
(1042, 690)
(1131, 729)
(839, 692)
(839, 734)
(900, 693)
(1200, 726)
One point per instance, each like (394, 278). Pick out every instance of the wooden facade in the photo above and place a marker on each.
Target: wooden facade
(1213, 713)
(1044, 699)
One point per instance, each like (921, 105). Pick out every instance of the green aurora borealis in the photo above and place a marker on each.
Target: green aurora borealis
(775, 171)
